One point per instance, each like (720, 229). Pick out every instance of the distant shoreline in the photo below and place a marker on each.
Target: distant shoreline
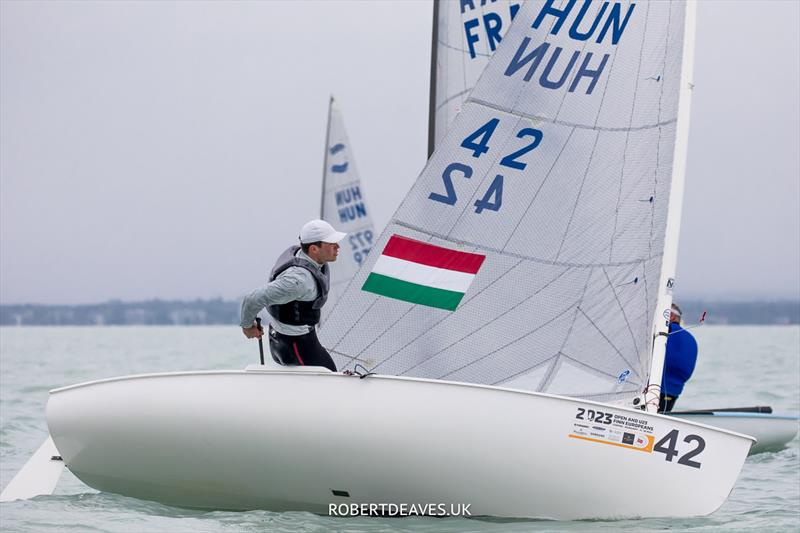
(226, 312)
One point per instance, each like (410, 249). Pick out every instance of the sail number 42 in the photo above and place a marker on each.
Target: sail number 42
(667, 446)
(477, 142)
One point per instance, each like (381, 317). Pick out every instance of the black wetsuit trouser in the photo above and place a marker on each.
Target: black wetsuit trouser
(303, 350)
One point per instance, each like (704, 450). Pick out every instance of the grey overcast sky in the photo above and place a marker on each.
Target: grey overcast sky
(172, 149)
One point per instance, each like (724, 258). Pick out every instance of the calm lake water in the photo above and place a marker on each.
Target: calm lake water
(738, 366)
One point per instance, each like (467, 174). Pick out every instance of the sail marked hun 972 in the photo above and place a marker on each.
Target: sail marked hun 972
(558, 170)
(344, 206)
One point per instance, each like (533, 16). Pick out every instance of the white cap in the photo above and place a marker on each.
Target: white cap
(320, 231)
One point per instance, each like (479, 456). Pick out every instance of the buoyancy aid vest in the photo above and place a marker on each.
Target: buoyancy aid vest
(297, 313)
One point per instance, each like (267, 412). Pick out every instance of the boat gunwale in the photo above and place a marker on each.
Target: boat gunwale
(325, 372)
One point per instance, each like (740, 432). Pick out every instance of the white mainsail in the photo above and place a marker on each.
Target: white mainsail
(344, 206)
(558, 170)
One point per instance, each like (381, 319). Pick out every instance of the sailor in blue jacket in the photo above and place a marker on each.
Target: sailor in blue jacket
(679, 361)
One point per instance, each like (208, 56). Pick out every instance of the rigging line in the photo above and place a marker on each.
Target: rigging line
(628, 134)
(542, 118)
(596, 371)
(434, 81)
(344, 355)
(325, 158)
(453, 97)
(601, 396)
(578, 197)
(528, 333)
(350, 280)
(355, 322)
(541, 186)
(622, 308)
(658, 144)
(466, 302)
(382, 333)
(460, 50)
(481, 358)
(464, 63)
(525, 300)
(500, 251)
(551, 373)
(340, 283)
(607, 339)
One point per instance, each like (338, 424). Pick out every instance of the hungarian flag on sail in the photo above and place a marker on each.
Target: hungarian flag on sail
(422, 273)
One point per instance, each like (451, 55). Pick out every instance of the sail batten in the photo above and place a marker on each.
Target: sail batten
(542, 118)
(557, 170)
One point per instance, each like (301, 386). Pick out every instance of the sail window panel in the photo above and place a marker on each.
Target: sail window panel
(541, 231)
(491, 318)
(571, 379)
(589, 347)
(634, 212)
(480, 338)
(603, 309)
(636, 316)
(591, 223)
(517, 357)
(530, 380)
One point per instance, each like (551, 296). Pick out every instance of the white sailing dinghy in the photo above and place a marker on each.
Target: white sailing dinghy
(343, 204)
(465, 35)
(520, 284)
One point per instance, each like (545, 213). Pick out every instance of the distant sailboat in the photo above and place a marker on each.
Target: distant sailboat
(520, 283)
(343, 205)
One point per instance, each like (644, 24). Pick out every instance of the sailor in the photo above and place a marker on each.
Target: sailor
(297, 290)
(679, 361)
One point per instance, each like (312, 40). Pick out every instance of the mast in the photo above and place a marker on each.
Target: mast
(669, 261)
(325, 160)
(432, 102)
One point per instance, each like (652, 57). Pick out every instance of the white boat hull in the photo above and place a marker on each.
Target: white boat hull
(301, 440)
(772, 432)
